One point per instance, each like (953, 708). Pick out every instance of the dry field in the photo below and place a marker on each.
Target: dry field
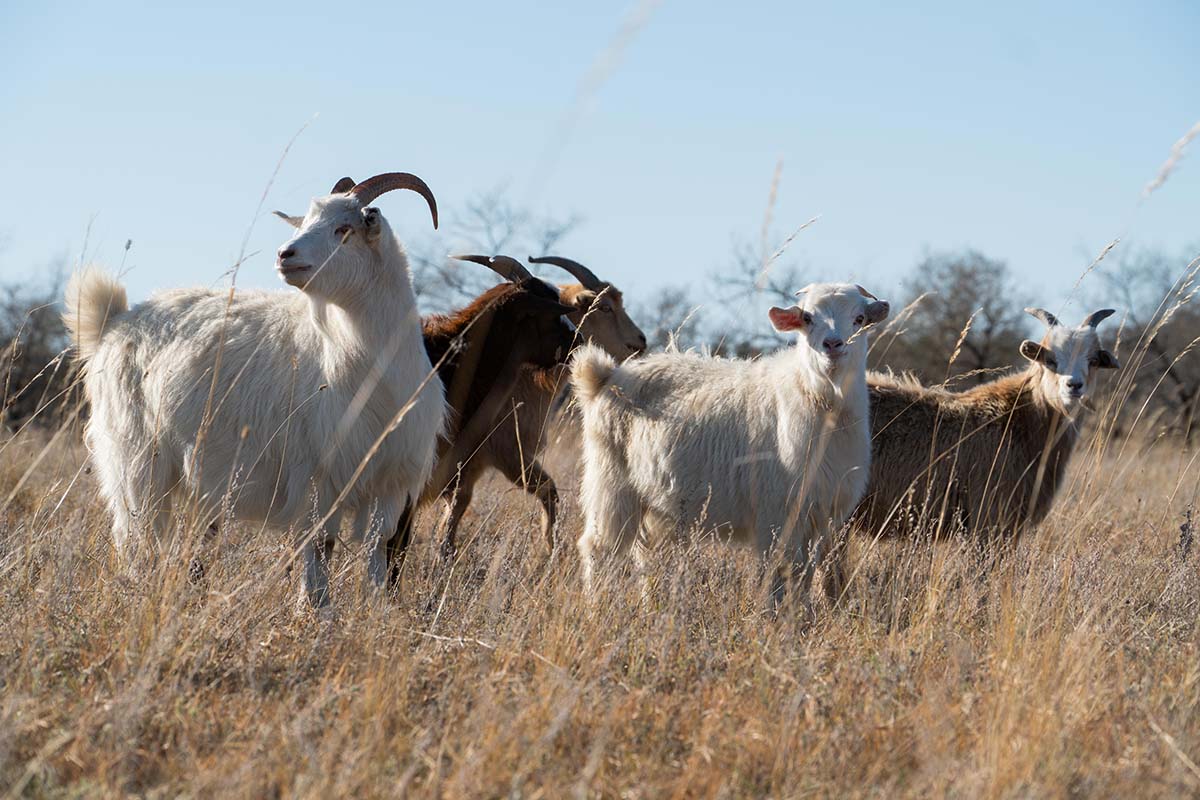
(1069, 665)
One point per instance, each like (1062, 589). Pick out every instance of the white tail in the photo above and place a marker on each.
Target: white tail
(93, 299)
(591, 370)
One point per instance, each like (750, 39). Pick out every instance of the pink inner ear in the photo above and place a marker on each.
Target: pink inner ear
(786, 319)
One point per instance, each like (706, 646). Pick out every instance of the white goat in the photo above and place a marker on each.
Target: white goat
(284, 407)
(775, 449)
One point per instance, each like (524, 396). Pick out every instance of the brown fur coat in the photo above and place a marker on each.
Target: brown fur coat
(984, 461)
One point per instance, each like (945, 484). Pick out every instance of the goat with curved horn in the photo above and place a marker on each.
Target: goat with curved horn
(506, 267)
(581, 273)
(372, 368)
(1045, 316)
(371, 188)
(1096, 317)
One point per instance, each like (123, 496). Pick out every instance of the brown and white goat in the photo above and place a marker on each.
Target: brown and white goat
(986, 461)
(598, 311)
(480, 353)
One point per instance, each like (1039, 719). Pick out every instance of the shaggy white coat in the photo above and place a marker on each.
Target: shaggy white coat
(267, 404)
(774, 450)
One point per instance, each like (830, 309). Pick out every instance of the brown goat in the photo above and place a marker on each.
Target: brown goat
(480, 353)
(598, 311)
(988, 460)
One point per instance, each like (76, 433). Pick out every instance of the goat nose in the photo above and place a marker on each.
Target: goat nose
(286, 253)
(1075, 383)
(833, 343)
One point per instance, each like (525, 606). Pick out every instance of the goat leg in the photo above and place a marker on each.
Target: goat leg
(397, 546)
(535, 480)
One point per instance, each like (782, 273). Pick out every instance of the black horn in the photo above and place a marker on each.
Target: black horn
(579, 271)
(1096, 317)
(1044, 315)
(506, 267)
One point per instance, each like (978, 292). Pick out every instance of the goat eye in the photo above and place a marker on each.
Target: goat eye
(807, 317)
(606, 308)
(344, 230)
(859, 319)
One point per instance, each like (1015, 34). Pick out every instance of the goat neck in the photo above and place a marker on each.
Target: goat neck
(1022, 398)
(847, 386)
(360, 328)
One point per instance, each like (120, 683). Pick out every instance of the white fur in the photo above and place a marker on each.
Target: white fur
(767, 451)
(305, 386)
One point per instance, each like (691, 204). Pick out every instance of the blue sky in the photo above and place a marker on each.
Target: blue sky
(1025, 131)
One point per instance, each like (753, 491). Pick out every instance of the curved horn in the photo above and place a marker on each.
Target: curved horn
(1044, 315)
(579, 271)
(1096, 317)
(371, 188)
(506, 267)
(864, 292)
(342, 186)
(806, 288)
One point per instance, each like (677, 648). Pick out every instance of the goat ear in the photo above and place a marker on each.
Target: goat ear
(1106, 360)
(371, 221)
(878, 311)
(583, 300)
(786, 319)
(295, 222)
(1034, 351)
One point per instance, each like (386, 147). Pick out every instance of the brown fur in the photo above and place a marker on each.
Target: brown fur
(470, 372)
(481, 353)
(520, 432)
(984, 461)
(570, 291)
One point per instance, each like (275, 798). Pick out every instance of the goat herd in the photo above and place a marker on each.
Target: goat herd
(292, 409)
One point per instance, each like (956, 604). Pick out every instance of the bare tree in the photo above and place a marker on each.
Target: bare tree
(33, 369)
(489, 224)
(966, 320)
(1158, 295)
(670, 315)
(754, 277)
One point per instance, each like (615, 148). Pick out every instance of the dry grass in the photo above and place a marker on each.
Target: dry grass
(1068, 666)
